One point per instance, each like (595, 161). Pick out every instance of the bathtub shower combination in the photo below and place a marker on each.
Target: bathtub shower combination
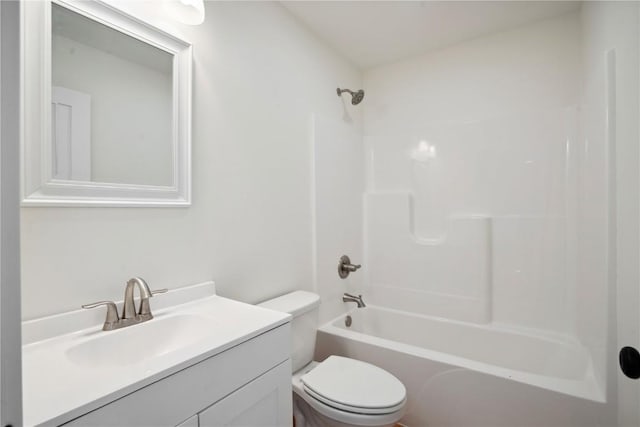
(459, 373)
(485, 227)
(558, 364)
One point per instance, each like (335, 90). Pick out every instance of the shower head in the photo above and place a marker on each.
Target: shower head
(356, 97)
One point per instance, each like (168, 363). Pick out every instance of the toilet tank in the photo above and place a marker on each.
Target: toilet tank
(303, 307)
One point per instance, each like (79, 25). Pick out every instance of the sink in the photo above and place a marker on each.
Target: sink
(138, 343)
(91, 368)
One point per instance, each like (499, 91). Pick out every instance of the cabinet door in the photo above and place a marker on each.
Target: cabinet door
(265, 401)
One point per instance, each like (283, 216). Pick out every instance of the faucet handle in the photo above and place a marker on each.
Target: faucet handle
(112, 313)
(145, 310)
(345, 267)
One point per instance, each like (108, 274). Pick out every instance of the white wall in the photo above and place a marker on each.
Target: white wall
(258, 78)
(480, 138)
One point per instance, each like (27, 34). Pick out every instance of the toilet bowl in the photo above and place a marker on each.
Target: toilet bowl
(339, 391)
(348, 392)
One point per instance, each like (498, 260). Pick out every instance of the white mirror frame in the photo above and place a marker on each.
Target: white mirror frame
(39, 188)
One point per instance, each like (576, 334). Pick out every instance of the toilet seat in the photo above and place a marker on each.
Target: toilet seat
(354, 386)
(333, 413)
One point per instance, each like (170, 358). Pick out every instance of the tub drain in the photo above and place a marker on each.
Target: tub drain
(347, 321)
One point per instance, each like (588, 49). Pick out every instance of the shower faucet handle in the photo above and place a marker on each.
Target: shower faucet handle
(345, 267)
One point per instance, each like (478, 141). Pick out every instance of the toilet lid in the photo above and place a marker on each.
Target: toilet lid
(354, 386)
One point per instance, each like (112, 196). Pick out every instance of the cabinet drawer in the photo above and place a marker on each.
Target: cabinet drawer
(175, 398)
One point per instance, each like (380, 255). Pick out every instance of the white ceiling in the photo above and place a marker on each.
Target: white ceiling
(371, 33)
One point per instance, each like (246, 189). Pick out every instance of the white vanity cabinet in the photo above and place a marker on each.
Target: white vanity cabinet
(258, 404)
(246, 385)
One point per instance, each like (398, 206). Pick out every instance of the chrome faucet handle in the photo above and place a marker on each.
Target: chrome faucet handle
(144, 313)
(112, 313)
(345, 267)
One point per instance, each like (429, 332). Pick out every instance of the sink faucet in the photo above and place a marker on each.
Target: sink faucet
(352, 298)
(129, 308)
(129, 314)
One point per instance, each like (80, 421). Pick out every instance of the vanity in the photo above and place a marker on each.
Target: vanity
(203, 360)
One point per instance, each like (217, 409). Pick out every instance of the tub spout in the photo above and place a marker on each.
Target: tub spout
(352, 298)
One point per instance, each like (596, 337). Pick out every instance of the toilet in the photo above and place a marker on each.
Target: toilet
(338, 391)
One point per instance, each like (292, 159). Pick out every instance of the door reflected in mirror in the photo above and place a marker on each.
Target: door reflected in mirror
(111, 104)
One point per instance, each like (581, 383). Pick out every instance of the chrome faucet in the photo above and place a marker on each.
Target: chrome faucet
(129, 314)
(129, 308)
(352, 298)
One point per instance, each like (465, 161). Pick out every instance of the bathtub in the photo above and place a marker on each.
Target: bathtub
(463, 374)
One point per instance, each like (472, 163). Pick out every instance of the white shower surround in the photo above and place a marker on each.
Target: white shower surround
(534, 198)
(502, 115)
(514, 142)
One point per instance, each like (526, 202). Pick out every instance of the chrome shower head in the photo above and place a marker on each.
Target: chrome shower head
(356, 97)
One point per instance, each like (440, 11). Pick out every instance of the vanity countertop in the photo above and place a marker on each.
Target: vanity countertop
(62, 381)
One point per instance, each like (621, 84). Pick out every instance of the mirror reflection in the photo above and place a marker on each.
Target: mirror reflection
(112, 105)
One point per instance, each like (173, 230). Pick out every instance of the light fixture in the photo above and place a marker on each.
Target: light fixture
(189, 12)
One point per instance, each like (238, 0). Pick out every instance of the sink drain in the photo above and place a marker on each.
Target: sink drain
(347, 321)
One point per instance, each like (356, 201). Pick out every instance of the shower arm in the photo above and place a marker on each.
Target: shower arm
(356, 97)
(341, 91)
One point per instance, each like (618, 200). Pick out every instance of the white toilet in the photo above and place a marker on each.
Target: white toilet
(339, 391)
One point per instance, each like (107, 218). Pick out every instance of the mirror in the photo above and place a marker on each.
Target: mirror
(118, 126)
(111, 104)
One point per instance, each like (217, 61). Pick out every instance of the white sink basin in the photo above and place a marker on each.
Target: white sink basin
(138, 343)
(89, 368)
